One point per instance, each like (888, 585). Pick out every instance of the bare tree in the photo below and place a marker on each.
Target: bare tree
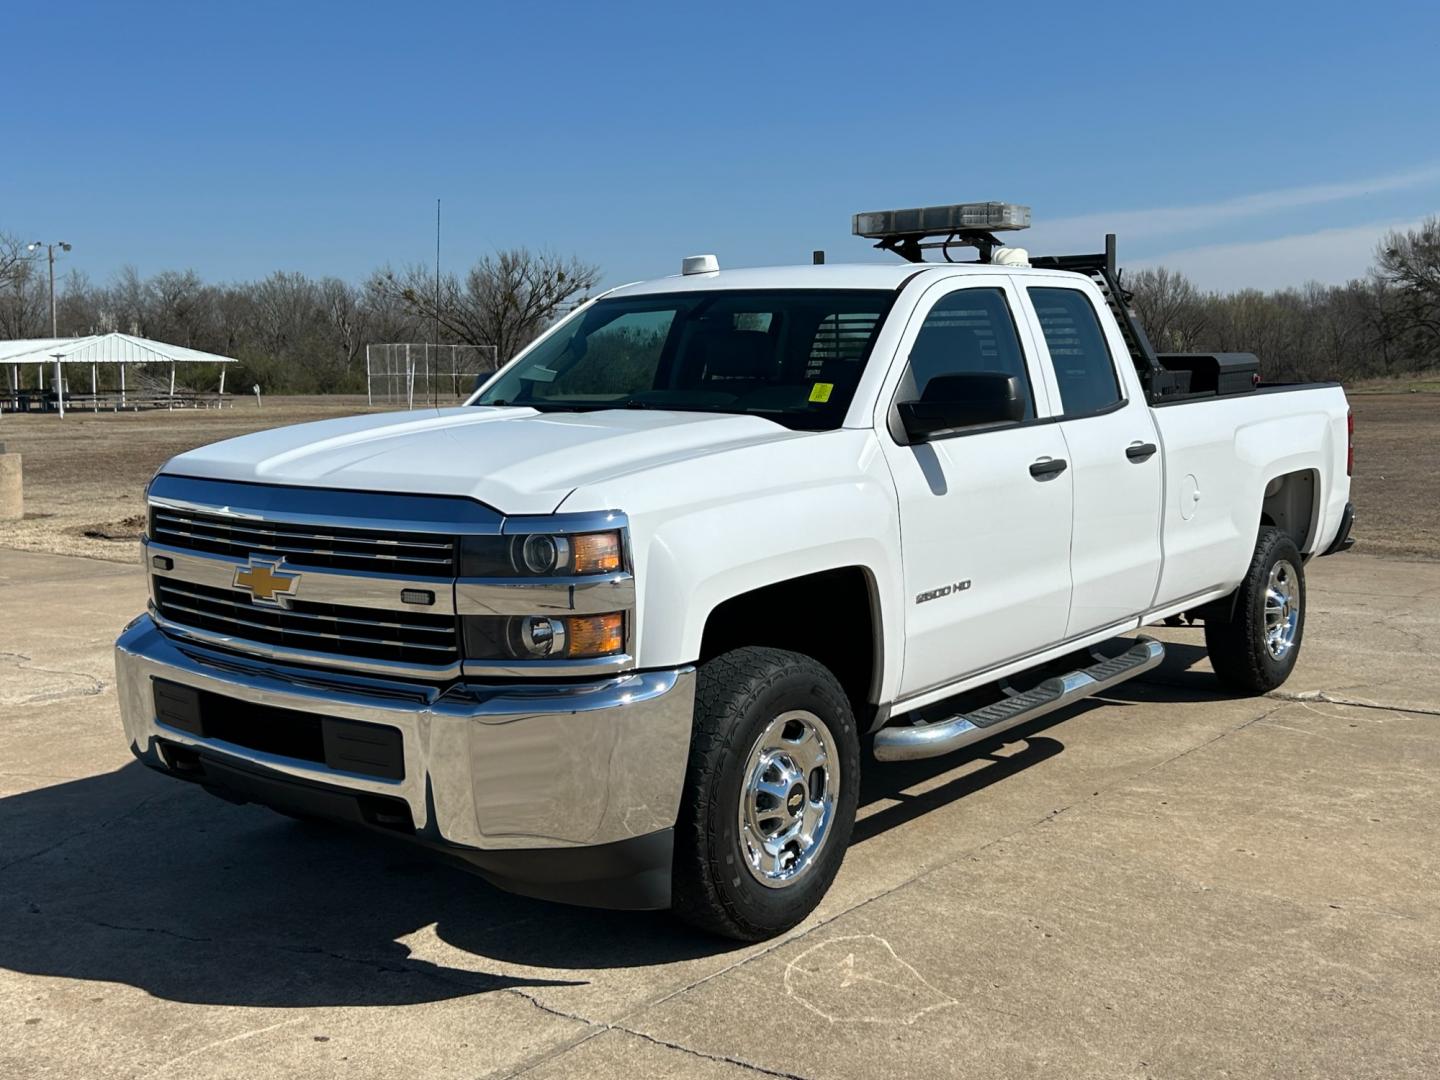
(22, 294)
(1411, 261)
(1171, 309)
(76, 311)
(126, 306)
(346, 315)
(505, 300)
(14, 260)
(1412, 258)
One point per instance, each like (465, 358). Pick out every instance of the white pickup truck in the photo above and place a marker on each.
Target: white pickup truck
(615, 631)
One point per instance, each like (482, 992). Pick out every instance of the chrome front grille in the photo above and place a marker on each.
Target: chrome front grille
(399, 554)
(392, 636)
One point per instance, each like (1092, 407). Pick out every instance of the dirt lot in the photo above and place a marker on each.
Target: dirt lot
(1397, 458)
(84, 475)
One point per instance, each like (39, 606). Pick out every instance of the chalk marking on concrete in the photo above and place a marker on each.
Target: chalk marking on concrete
(913, 985)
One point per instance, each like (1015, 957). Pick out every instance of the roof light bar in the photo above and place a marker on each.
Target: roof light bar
(936, 220)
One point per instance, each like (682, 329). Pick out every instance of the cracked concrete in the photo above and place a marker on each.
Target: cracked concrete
(1166, 882)
(24, 683)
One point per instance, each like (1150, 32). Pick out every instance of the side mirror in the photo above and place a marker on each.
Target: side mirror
(480, 378)
(953, 402)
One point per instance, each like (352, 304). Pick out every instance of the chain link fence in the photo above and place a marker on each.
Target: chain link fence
(410, 373)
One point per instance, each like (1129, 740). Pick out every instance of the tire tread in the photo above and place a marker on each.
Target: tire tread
(727, 687)
(1236, 651)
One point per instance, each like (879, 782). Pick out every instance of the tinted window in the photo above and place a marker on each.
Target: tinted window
(969, 331)
(1083, 366)
(619, 353)
(794, 356)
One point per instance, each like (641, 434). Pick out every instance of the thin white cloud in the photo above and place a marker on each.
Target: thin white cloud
(1329, 256)
(1087, 229)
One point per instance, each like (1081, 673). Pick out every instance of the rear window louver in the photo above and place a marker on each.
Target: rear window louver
(842, 336)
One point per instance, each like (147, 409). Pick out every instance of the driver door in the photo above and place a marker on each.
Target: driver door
(985, 513)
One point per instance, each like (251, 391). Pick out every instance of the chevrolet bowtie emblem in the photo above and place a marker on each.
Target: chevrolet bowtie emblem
(266, 582)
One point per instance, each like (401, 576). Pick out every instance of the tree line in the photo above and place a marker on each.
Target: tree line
(293, 333)
(299, 334)
(1384, 324)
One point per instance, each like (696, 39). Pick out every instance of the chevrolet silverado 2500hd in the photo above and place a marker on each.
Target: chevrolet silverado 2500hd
(613, 632)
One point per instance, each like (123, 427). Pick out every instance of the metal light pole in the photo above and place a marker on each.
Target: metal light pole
(54, 331)
(60, 384)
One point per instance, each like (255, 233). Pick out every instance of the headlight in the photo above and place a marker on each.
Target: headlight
(554, 595)
(541, 555)
(543, 637)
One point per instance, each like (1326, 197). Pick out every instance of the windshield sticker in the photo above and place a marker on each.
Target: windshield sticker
(820, 392)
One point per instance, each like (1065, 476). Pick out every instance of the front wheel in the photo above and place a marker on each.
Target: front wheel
(1255, 648)
(770, 793)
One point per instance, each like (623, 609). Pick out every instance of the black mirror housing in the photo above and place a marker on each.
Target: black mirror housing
(952, 403)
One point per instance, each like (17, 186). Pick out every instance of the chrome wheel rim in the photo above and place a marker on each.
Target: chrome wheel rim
(788, 797)
(1282, 609)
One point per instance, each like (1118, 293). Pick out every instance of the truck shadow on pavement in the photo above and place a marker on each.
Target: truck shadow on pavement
(132, 878)
(912, 789)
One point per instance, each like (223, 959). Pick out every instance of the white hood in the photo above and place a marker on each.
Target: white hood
(516, 460)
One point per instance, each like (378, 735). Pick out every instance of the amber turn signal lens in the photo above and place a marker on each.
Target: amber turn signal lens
(594, 635)
(596, 553)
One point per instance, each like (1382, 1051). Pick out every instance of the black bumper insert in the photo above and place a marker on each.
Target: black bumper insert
(339, 744)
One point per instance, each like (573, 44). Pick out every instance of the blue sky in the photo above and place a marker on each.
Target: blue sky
(1248, 144)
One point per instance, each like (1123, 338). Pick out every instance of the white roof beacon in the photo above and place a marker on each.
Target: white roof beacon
(699, 264)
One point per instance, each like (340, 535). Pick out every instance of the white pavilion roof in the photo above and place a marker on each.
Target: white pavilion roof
(104, 349)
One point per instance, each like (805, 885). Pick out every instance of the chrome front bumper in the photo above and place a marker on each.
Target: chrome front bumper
(486, 767)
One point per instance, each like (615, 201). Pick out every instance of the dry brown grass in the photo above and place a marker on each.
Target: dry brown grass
(84, 476)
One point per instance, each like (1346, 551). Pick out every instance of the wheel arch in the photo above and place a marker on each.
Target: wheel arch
(832, 615)
(1291, 502)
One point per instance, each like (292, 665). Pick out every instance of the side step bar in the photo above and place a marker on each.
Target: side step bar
(931, 740)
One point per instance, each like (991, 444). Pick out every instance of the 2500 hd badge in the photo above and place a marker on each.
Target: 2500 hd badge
(944, 590)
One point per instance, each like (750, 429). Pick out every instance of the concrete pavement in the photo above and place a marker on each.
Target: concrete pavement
(1166, 883)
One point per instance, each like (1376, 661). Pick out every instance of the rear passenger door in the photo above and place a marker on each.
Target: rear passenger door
(985, 538)
(1113, 448)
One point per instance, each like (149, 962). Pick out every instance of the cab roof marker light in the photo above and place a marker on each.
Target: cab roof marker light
(931, 220)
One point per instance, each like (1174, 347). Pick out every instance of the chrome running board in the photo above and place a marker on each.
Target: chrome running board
(923, 740)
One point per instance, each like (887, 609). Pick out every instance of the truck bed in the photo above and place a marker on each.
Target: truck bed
(1225, 456)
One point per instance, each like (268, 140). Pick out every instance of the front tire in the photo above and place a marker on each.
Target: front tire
(1254, 650)
(770, 793)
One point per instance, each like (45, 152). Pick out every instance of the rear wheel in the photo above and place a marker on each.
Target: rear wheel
(770, 793)
(1254, 649)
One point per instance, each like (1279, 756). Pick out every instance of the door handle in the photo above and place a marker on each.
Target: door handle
(1043, 470)
(1139, 452)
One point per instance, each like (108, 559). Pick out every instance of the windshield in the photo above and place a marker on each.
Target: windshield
(794, 356)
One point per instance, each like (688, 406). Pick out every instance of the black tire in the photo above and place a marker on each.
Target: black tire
(738, 694)
(1235, 633)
